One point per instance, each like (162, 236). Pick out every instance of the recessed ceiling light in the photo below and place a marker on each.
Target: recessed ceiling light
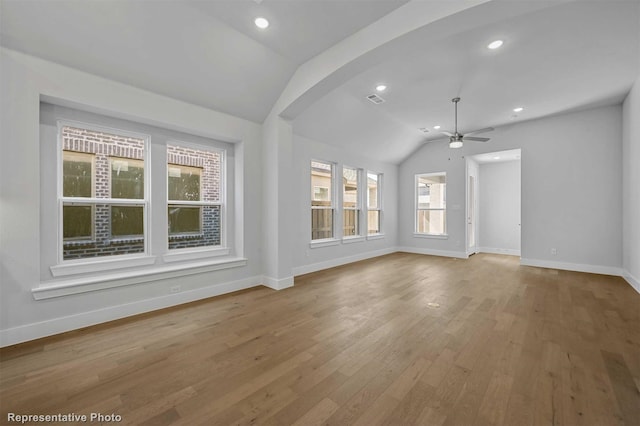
(518, 109)
(261, 23)
(496, 158)
(495, 44)
(381, 87)
(436, 127)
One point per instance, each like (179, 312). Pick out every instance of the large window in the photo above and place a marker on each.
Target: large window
(117, 194)
(431, 202)
(374, 209)
(322, 206)
(350, 202)
(102, 197)
(194, 187)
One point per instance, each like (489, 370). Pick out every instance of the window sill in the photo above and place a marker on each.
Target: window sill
(73, 267)
(179, 255)
(354, 239)
(433, 236)
(324, 243)
(119, 279)
(375, 237)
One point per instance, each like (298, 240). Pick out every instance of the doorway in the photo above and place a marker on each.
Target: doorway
(493, 203)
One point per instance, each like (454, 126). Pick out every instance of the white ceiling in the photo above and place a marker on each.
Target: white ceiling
(206, 53)
(568, 56)
(299, 29)
(558, 55)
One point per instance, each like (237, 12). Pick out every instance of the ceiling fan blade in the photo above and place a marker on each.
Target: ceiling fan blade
(486, 129)
(435, 140)
(471, 138)
(447, 133)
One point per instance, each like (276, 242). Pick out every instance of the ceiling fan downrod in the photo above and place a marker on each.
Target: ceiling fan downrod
(455, 103)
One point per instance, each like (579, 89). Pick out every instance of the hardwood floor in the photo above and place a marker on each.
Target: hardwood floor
(358, 344)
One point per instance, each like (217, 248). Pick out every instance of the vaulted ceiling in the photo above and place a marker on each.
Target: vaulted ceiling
(558, 55)
(207, 53)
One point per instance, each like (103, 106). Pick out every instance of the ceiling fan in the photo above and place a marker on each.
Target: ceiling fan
(456, 139)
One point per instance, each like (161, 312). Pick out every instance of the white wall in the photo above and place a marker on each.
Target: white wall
(24, 79)
(307, 259)
(631, 186)
(499, 202)
(571, 190)
(276, 212)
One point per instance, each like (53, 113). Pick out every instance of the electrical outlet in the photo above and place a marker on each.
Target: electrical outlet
(174, 289)
(554, 251)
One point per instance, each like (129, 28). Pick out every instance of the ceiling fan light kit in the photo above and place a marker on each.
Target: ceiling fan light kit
(456, 140)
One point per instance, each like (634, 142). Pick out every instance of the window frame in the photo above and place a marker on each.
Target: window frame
(378, 207)
(78, 275)
(93, 201)
(417, 210)
(222, 248)
(318, 242)
(358, 207)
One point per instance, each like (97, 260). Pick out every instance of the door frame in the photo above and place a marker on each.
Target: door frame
(472, 169)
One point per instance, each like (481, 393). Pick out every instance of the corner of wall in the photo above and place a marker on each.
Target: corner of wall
(277, 284)
(633, 281)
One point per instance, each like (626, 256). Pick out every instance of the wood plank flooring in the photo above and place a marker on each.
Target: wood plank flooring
(357, 345)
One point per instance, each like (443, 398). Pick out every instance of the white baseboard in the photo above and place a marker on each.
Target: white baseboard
(443, 253)
(38, 330)
(277, 284)
(492, 250)
(578, 267)
(635, 282)
(307, 269)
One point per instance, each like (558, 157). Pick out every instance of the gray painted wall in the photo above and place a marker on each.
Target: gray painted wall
(499, 207)
(631, 185)
(571, 189)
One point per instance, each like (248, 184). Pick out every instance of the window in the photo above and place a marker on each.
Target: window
(321, 200)
(102, 194)
(118, 194)
(374, 216)
(350, 202)
(431, 201)
(194, 188)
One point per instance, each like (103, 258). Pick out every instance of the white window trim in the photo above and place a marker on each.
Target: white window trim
(78, 266)
(380, 233)
(193, 253)
(378, 236)
(357, 208)
(325, 242)
(118, 279)
(353, 239)
(88, 271)
(432, 236)
(417, 234)
(332, 191)
(106, 263)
